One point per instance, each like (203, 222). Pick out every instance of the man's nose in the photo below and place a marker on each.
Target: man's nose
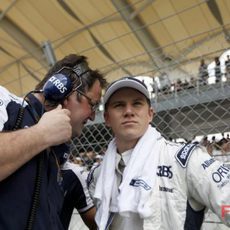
(128, 109)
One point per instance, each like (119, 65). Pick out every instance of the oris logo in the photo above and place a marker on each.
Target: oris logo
(221, 173)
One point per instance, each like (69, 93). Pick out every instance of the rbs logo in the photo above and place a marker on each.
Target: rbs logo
(164, 171)
(58, 84)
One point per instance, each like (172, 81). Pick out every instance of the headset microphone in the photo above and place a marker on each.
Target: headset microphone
(57, 88)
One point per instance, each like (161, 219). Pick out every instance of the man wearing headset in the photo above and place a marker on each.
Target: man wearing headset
(33, 134)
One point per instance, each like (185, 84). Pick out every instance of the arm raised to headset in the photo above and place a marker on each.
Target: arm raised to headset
(18, 147)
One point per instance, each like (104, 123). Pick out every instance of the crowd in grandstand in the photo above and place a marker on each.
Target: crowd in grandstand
(220, 74)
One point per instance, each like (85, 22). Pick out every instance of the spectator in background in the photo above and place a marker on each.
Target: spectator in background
(78, 161)
(98, 159)
(102, 152)
(178, 85)
(90, 158)
(154, 88)
(209, 148)
(227, 68)
(226, 149)
(185, 84)
(204, 142)
(213, 141)
(218, 73)
(203, 73)
(222, 150)
(192, 83)
(227, 137)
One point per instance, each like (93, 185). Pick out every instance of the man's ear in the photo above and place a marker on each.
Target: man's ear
(65, 102)
(106, 118)
(151, 113)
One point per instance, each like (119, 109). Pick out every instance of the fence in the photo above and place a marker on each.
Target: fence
(180, 114)
(185, 113)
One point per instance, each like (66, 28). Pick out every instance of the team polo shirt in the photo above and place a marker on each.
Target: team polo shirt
(16, 191)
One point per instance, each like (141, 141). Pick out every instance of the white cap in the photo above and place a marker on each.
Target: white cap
(129, 82)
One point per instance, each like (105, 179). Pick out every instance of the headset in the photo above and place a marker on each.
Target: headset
(57, 88)
(59, 85)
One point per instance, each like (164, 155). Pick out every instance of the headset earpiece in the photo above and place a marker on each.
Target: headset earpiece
(57, 87)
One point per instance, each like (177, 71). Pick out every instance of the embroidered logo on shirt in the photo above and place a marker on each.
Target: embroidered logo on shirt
(221, 176)
(139, 183)
(1, 102)
(164, 171)
(165, 189)
(183, 155)
(207, 163)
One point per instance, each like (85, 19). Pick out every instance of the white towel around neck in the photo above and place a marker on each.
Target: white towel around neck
(141, 167)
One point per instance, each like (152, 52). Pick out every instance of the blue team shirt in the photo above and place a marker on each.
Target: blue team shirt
(17, 189)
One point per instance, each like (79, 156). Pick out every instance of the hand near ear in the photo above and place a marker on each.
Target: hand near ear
(55, 126)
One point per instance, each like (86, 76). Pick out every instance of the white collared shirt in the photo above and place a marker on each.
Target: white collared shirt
(133, 221)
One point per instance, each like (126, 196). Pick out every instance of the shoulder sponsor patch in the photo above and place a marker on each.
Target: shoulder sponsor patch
(184, 153)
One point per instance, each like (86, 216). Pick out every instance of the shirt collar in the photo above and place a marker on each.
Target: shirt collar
(125, 156)
(36, 104)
